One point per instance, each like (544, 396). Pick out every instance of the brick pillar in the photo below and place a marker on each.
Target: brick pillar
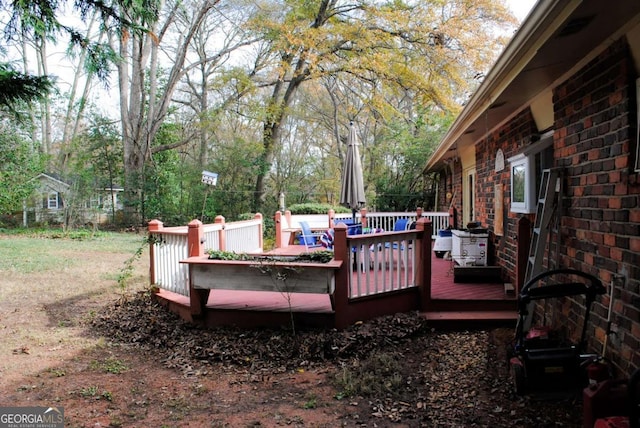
(222, 237)
(340, 298)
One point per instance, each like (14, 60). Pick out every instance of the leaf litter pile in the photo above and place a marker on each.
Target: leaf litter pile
(392, 371)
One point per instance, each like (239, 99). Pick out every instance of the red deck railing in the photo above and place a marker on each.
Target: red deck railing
(347, 304)
(379, 274)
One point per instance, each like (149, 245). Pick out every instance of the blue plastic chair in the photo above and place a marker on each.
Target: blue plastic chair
(400, 225)
(353, 228)
(307, 237)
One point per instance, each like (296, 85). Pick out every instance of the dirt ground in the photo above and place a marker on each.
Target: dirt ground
(114, 360)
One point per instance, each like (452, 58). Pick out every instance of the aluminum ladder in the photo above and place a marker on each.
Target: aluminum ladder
(548, 210)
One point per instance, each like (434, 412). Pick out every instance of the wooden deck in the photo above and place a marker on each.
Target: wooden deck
(459, 302)
(450, 301)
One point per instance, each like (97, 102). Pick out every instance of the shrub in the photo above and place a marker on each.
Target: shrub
(315, 208)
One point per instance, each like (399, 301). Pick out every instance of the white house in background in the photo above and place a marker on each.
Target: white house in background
(55, 201)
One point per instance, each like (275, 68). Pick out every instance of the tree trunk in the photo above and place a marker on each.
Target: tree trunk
(143, 107)
(273, 124)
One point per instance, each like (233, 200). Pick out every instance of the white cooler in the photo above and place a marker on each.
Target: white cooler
(469, 249)
(442, 244)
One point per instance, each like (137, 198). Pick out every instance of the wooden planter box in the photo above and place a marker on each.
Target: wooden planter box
(265, 275)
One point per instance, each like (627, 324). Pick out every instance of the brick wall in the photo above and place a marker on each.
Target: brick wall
(600, 230)
(450, 182)
(594, 123)
(510, 138)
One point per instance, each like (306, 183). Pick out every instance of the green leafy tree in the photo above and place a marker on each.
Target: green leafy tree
(19, 164)
(20, 89)
(40, 20)
(429, 50)
(94, 166)
(405, 146)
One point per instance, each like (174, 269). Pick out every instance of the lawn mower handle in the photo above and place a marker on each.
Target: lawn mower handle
(596, 285)
(590, 292)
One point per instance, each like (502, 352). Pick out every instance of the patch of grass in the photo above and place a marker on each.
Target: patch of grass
(379, 374)
(115, 422)
(177, 403)
(57, 372)
(88, 391)
(179, 407)
(42, 252)
(199, 389)
(92, 392)
(110, 365)
(311, 403)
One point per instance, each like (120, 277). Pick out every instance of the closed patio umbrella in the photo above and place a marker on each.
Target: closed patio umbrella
(352, 189)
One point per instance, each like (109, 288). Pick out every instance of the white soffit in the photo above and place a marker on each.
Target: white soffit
(542, 110)
(633, 37)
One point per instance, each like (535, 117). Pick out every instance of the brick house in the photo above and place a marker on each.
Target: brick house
(563, 94)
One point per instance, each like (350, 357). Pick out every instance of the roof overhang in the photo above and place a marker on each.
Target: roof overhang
(555, 40)
(58, 183)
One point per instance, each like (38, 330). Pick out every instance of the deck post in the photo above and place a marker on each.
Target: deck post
(287, 216)
(154, 226)
(363, 217)
(340, 298)
(195, 238)
(423, 258)
(453, 219)
(195, 241)
(222, 236)
(258, 216)
(287, 236)
(277, 219)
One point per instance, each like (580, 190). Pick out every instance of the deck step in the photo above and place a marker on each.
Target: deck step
(477, 274)
(471, 315)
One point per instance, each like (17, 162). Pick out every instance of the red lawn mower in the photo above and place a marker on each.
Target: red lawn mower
(542, 359)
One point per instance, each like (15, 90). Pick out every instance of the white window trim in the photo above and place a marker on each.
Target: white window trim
(527, 159)
(527, 206)
(52, 201)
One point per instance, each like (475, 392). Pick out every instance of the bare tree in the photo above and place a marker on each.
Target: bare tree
(144, 103)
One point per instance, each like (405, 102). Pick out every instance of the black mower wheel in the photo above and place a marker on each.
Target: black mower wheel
(517, 372)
